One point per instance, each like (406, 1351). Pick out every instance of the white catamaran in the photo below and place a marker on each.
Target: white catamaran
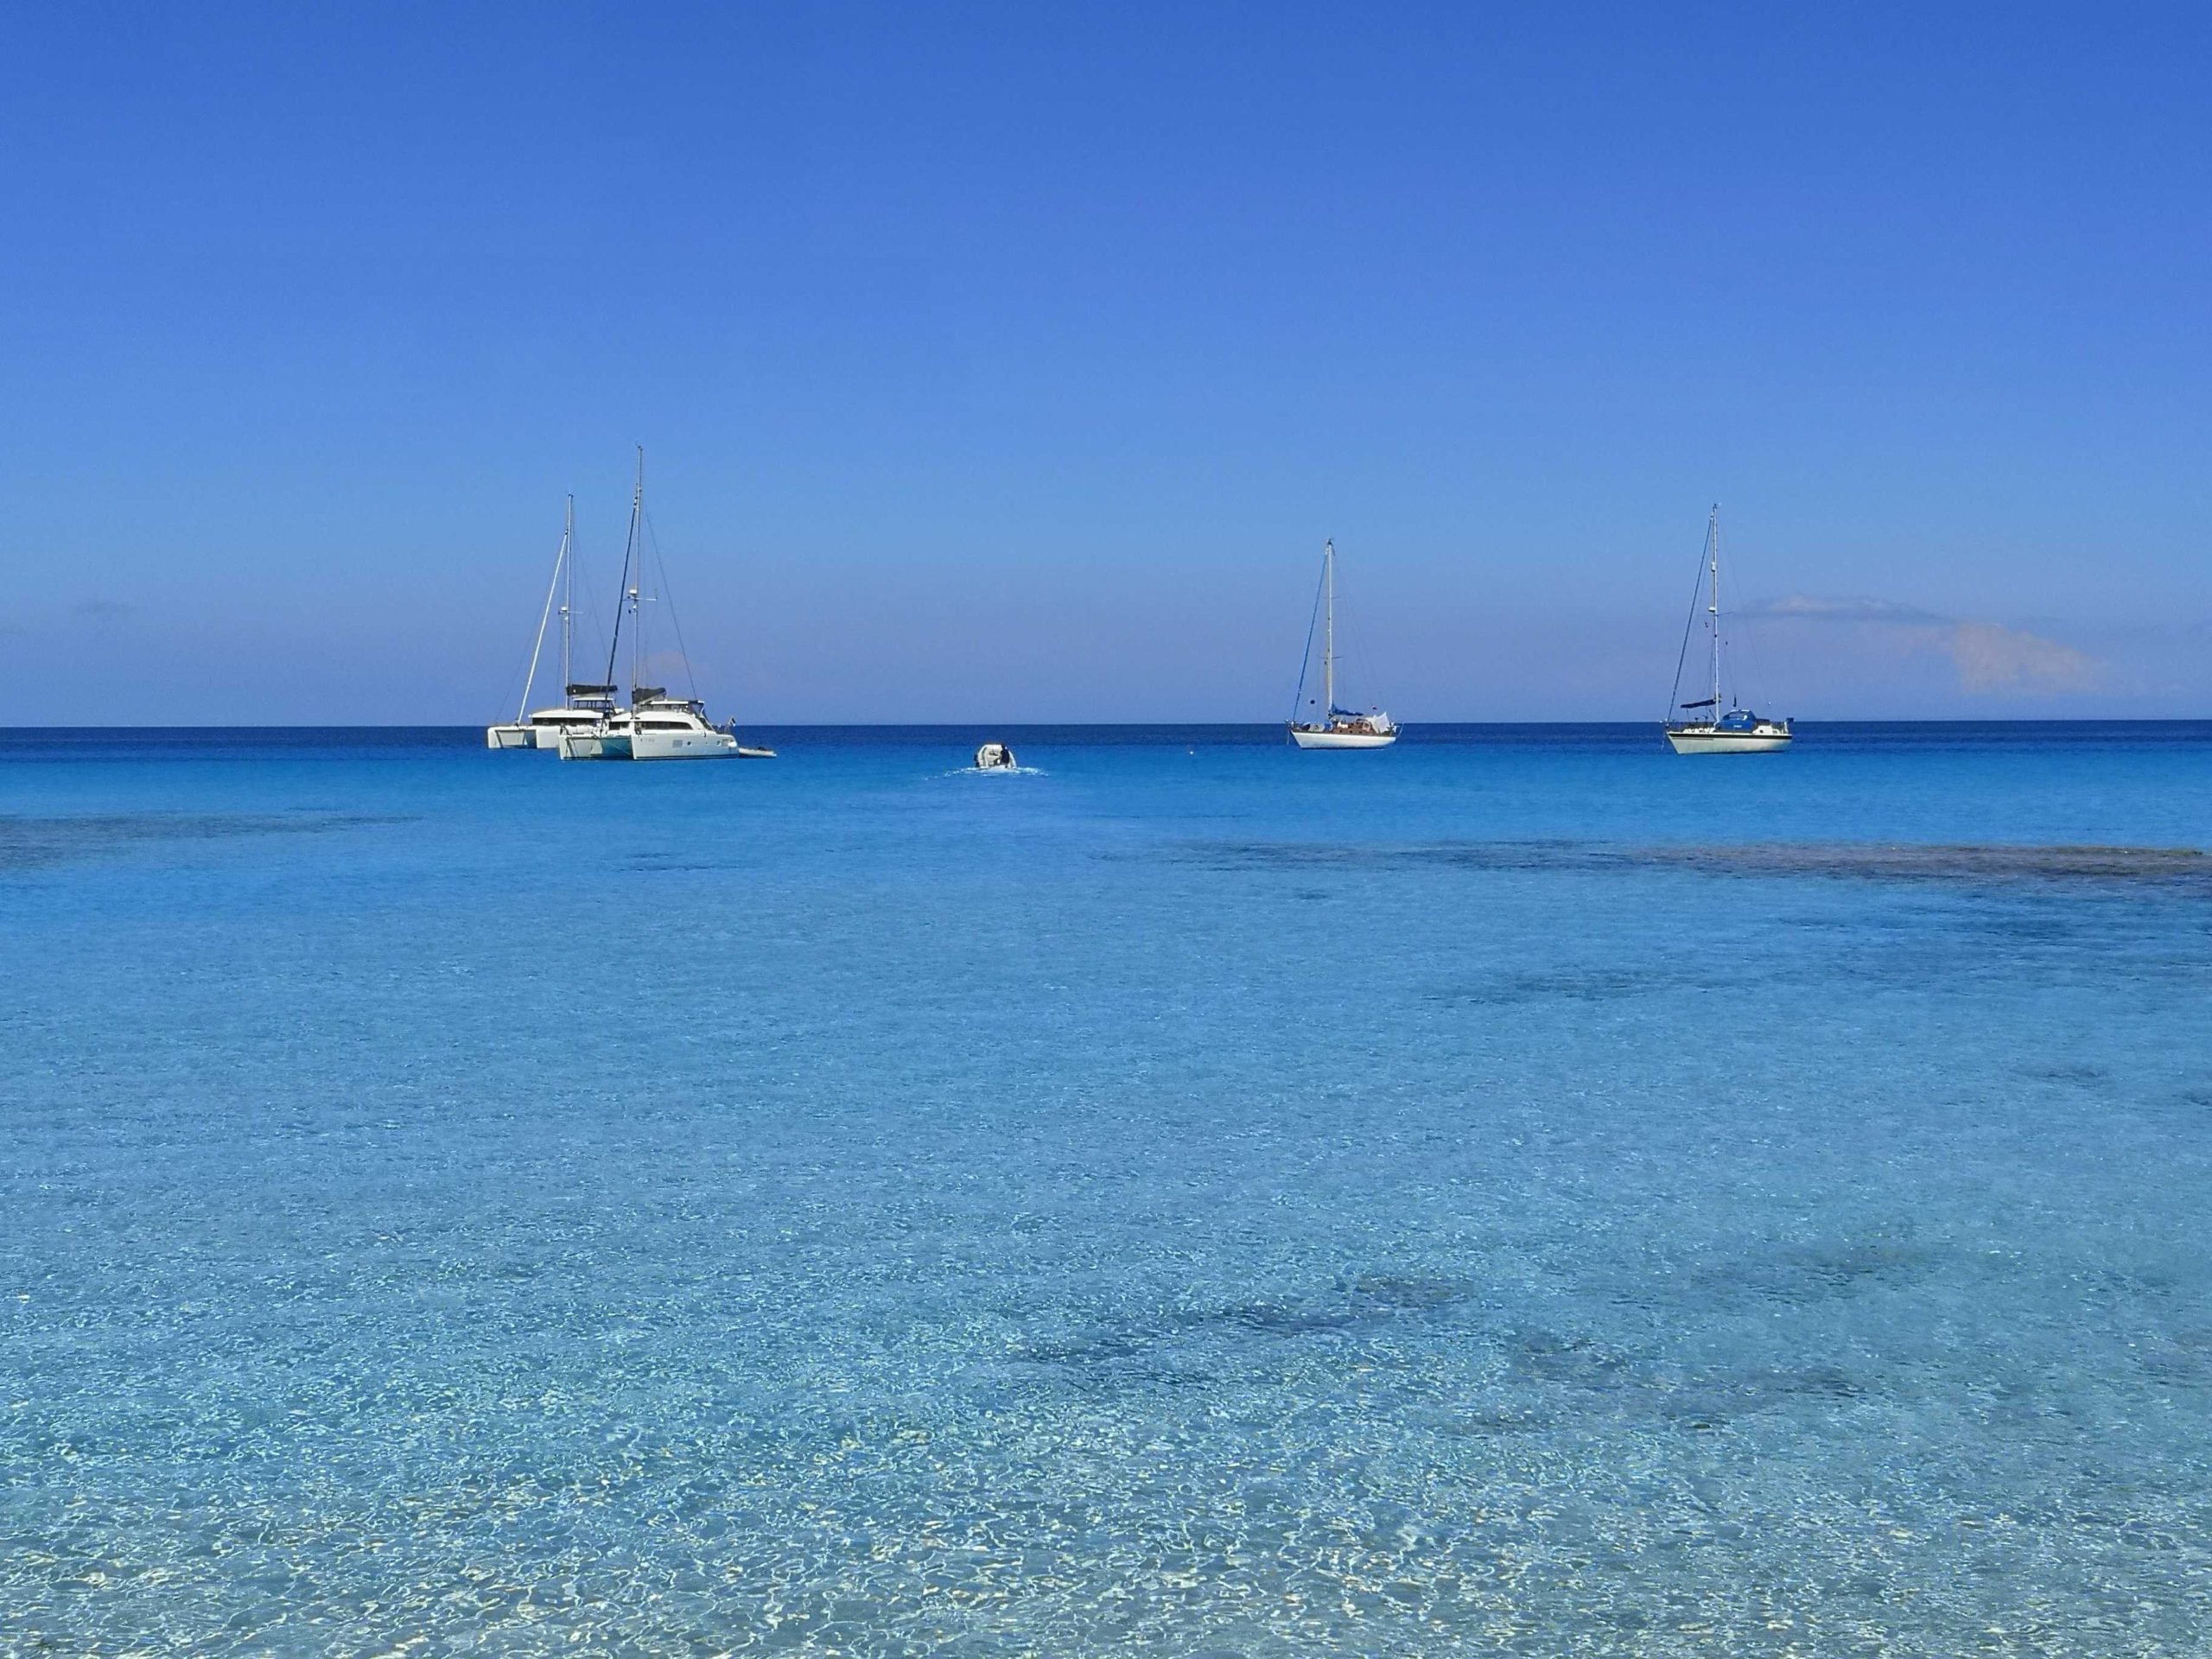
(1706, 730)
(655, 726)
(1328, 727)
(586, 705)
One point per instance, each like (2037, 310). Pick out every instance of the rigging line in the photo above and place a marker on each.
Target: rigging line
(668, 598)
(1312, 621)
(511, 675)
(621, 593)
(1688, 626)
(552, 590)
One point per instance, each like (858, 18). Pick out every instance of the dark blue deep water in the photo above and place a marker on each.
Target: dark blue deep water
(1521, 1192)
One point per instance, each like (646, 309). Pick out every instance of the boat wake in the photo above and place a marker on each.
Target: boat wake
(996, 771)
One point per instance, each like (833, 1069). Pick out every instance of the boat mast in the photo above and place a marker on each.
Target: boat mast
(560, 564)
(1329, 633)
(1712, 568)
(621, 597)
(637, 616)
(567, 597)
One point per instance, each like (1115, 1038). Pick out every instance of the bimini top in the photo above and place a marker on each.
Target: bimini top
(1740, 719)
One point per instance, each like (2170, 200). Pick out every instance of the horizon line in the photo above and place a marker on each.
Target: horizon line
(1119, 725)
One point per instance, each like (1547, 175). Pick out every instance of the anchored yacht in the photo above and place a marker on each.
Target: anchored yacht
(1706, 730)
(1328, 727)
(584, 705)
(655, 726)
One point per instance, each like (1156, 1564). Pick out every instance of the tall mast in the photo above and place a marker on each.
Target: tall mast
(638, 616)
(1328, 633)
(567, 595)
(1713, 568)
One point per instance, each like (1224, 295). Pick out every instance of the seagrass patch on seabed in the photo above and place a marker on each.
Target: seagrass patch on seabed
(2184, 867)
(1352, 1304)
(41, 844)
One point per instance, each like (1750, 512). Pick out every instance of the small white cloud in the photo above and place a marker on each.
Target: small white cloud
(1989, 658)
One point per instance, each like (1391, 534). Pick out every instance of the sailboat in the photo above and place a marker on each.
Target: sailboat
(655, 726)
(1700, 727)
(1330, 726)
(586, 705)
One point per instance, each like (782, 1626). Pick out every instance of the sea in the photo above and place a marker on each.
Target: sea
(1517, 1193)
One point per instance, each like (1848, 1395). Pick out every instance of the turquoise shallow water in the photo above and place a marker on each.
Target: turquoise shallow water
(1519, 1193)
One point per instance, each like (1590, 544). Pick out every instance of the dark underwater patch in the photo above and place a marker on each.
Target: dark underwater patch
(1088, 1348)
(1711, 1401)
(1592, 986)
(2183, 868)
(2069, 1072)
(1412, 1292)
(1831, 1270)
(1313, 857)
(2178, 1359)
(41, 844)
(1352, 1304)
(1483, 1422)
(1567, 1360)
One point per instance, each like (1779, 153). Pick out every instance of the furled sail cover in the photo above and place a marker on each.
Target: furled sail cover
(591, 690)
(1703, 703)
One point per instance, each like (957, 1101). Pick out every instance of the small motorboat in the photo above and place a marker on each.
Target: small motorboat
(995, 757)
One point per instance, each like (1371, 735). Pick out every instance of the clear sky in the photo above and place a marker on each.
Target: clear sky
(1012, 362)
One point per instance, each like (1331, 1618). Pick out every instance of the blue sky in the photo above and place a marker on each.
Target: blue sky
(1012, 362)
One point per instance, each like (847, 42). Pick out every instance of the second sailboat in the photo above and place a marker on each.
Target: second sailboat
(1700, 727)
(1326, 726)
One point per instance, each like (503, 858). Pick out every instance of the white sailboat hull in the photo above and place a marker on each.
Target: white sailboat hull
(682, 746)
(1310, 740)
(1694, 741)
(594, 746)
(705, 745)
(510, 737)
